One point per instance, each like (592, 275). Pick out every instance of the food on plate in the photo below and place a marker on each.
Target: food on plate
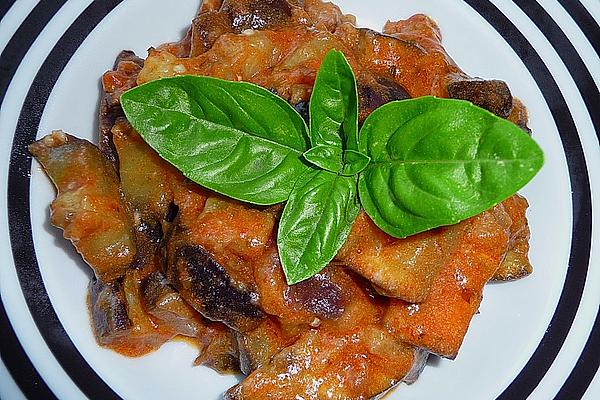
(315, 205)
(89, 206)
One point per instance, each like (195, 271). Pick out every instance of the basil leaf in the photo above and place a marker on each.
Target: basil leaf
(354, 162)
(315, 223)
(333, 104)
(235, 138)
(436, 162)
(325, 156)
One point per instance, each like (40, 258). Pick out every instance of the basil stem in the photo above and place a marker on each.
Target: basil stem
(327, 157)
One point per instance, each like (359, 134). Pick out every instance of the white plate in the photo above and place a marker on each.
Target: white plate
(532, 338)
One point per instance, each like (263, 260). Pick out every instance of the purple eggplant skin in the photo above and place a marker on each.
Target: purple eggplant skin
(108, 311)
(122, 77)
(235, 17)
(206, 286)
(493, 95)
(375, 91)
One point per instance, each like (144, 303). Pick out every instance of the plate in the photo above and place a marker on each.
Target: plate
(535, 338)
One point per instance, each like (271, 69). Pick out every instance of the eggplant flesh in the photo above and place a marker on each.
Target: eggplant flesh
(358, 364)
(165, 304)
(89, 206)
(122, 77)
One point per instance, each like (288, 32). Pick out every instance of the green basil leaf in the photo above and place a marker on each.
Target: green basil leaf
(354, 162)
(325, 156)
(235, 138)
(437, 161)
(315, 223)
(333, 104)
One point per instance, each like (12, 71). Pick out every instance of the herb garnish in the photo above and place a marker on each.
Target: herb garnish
(415, 164)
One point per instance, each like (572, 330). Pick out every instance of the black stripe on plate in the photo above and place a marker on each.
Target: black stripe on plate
(587, 23)
(588, 364)
(569, 56)
(547, 350)
(19, 221)
(11, 351)
(21, 41)
(23, 372)
(5, 5)
(579, 379)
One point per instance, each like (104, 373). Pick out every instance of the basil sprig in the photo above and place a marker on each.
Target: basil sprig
(324, 204)
(414, 165)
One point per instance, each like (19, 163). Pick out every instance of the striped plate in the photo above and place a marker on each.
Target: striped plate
(537, 338)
